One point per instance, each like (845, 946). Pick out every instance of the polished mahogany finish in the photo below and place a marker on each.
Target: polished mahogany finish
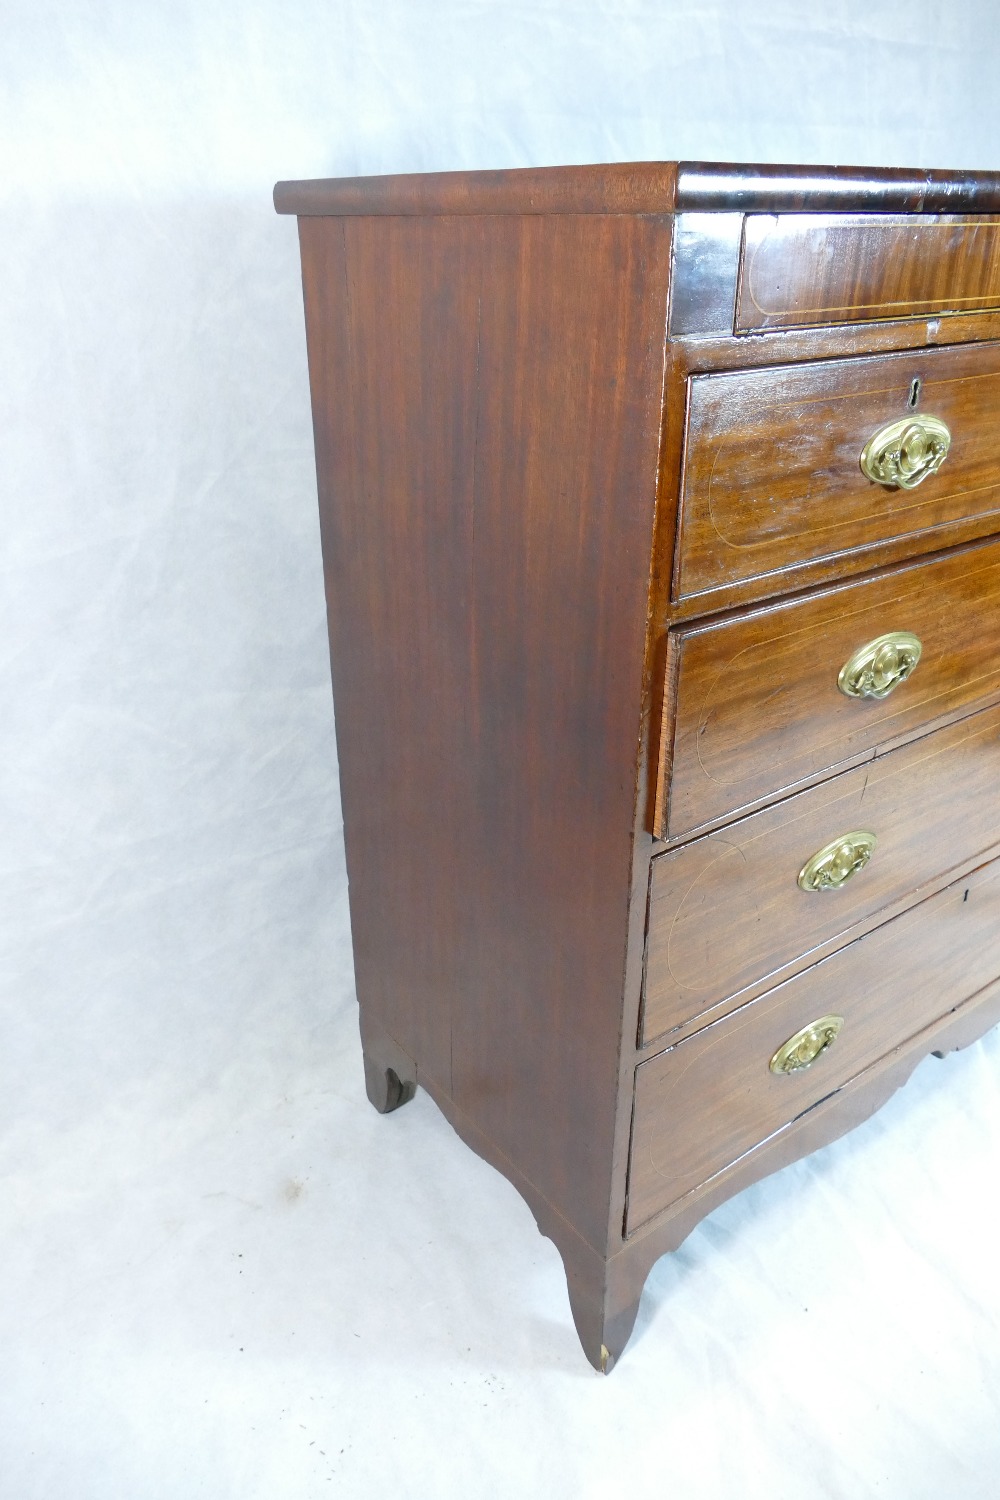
(799, 269)
(614, 188)
(726, 909)
(487, 577)
(644, 188)
(724, 187)
(706, 273)
(886, 987)
(594, 560)
(757, 708)
(772, 472)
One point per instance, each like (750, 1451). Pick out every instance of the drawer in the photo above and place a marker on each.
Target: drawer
(726, 911)
(757, 702)
(713, 1097)
(772, 474)
(799, 270)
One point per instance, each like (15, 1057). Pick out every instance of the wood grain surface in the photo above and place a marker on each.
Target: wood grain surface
(827, 1120)
(758, 708)
(611, 188)
(772, 471)
(726, 910)
(706, 266)
(736, 186)
(645, 187)
(706, 1102)
(487, 401)
(799, 269)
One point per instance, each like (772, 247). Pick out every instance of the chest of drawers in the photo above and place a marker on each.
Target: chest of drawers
(660, 509)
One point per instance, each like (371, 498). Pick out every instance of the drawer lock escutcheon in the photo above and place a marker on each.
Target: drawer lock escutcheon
(802, 1049)
(875, 669)
(907, 452)
(836, 863)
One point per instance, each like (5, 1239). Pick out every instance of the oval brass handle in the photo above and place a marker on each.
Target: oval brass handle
(875, 669)
(905, 453)
(835, 864)
(802, 1049)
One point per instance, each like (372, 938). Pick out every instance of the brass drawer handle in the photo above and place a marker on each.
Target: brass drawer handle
(835, 864)
(802, 1049)
(875, 669)
(903, 454)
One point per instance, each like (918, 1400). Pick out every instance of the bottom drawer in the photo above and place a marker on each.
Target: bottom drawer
(713, 1097)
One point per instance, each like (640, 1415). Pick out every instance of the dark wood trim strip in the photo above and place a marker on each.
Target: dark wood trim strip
(725, 187)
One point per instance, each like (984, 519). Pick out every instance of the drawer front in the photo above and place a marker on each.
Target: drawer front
(758, 706)
(713, 1097)
(726, 911)
(800, 270)
(772, 464)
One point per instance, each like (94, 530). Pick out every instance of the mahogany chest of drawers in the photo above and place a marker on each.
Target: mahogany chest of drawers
(661, 530)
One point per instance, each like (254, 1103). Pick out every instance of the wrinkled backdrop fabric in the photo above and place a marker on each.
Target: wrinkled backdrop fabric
(221, 1273)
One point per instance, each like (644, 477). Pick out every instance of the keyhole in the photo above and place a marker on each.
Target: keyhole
(914, 395)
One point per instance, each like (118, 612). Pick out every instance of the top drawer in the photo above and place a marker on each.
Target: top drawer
(801, 270)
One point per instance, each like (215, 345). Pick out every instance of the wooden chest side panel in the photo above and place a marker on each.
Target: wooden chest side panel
(487, 395)
(772, 474)
(804, 269)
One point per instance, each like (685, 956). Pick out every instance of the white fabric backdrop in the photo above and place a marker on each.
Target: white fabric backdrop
(221, 1273)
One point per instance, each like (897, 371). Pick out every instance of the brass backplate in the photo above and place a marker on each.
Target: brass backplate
(838, 862)
(905, 453)
(875, 669)
(802, 1049)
